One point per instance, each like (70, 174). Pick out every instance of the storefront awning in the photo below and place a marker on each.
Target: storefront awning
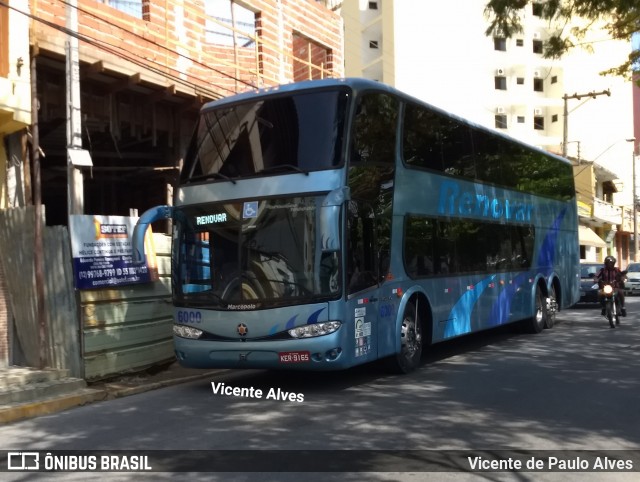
(588, 237)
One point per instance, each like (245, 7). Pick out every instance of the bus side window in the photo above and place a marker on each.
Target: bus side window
(374, 131)
(361, 256)
(432, 140)
(371, 181)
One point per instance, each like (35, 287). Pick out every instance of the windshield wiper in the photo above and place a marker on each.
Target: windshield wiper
(210, 175)
(283, 167)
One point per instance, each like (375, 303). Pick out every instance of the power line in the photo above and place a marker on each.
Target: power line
(146, 64)
(155, 44)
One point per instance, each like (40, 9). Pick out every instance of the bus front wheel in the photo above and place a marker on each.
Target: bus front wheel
(408, 359)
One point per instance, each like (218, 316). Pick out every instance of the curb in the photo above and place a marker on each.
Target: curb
(114, 391)
(89, 395)
(51, 405)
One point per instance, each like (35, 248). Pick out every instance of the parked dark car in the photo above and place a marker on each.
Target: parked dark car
(587, 271)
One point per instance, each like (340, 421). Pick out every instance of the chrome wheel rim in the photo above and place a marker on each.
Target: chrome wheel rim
(411, 336)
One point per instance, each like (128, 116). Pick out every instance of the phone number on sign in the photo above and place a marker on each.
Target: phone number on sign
(107, 272)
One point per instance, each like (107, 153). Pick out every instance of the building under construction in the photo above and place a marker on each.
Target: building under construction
(117, 86)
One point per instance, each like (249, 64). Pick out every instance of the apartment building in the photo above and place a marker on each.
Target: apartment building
(438, 52)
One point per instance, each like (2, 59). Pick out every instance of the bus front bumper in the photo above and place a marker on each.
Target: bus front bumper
(318, 353)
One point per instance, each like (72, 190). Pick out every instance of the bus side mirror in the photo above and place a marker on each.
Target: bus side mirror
(330, 219)
(149, 216)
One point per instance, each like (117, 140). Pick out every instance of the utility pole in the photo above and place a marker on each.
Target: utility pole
(565, 127)
(635, 208)
(38, 252)
(635, 205)
(75, 188)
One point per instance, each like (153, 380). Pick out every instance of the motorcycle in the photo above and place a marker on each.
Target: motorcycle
(611, 302)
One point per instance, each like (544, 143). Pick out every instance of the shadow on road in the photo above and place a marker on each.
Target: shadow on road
(574, 386)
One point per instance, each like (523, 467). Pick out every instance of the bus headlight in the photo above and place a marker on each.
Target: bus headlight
(184, 331)
(317, 329)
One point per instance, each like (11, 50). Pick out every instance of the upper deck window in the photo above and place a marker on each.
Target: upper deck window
(374, 131)
(298, 132)
(435, 141)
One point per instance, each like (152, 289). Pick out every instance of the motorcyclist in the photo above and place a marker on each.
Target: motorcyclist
(612, 275)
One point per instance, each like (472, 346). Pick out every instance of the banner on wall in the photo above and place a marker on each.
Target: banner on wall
(103, 253)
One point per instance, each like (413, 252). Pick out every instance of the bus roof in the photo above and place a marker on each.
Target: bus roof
(357, 83)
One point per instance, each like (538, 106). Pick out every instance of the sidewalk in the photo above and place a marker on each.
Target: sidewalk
(27, 392)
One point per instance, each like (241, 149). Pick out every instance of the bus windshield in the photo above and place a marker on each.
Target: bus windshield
(252, 254)
(274, 135)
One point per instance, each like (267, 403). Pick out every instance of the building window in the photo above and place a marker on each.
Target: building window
(131, 7)
(500, 82)
(520, 119)
(312, 60)
(373, 5)
(537, 46)
(537, 9)
(554, 79)
(500, 43)
(554, 118)
(220, 24)
(538, 123)
(538, 85)
(520, 80)
(501, 121)
(519, 42)
(373, 44)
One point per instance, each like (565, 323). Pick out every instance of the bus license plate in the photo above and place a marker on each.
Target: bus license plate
(294, 356)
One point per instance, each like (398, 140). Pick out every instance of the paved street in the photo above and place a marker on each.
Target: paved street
(575, 387)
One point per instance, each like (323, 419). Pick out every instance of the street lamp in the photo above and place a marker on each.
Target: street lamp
(635, 209)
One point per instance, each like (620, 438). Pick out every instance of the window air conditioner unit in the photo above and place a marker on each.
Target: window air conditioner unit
(500, 110)
(537, 112)
(501, 71)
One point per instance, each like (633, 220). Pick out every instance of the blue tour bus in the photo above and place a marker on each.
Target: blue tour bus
(325, 224)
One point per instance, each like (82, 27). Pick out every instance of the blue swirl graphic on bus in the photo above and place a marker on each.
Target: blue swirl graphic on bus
(460, 315)
(547, 254)
(313, 319)
(501, 310)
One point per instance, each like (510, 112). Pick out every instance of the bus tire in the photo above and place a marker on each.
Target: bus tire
(411, 342)
(537, 322)
(552, 308)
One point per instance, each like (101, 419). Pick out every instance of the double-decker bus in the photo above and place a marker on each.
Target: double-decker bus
(325, 224)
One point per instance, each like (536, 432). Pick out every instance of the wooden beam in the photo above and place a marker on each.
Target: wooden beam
(163, 94)
(123, 84)
(92, 70)
(193, 104)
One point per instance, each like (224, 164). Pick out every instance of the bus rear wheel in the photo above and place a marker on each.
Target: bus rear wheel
(537, 323)
(408, 359)
(552, 308)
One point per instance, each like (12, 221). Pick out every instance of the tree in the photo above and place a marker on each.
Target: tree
(621, 19)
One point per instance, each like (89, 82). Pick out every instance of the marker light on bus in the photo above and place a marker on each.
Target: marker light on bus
(184, 331)
(317, 329)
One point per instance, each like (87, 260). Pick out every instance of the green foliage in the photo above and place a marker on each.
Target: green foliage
(621, 20)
